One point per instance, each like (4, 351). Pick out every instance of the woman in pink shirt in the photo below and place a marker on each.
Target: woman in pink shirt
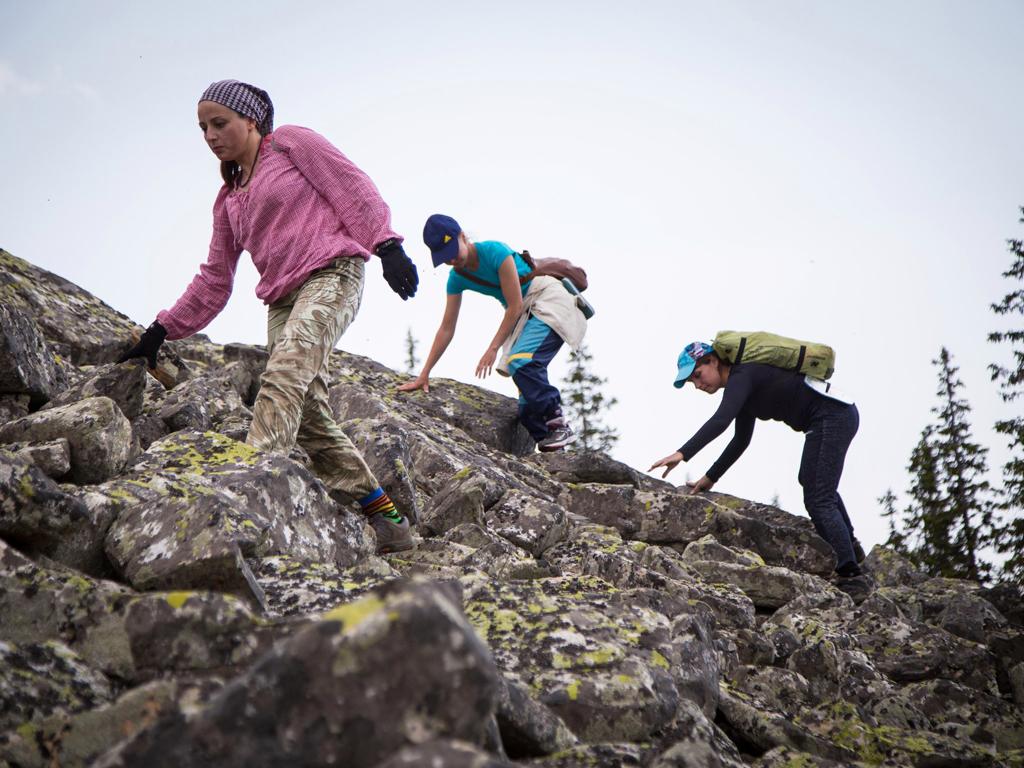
(310, 219)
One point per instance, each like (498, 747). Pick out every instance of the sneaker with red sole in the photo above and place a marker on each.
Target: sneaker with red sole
(391, 536)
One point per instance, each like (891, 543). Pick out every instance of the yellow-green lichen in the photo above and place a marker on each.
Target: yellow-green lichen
(353, 614)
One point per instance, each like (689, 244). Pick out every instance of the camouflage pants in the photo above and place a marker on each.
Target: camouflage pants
(302, 329)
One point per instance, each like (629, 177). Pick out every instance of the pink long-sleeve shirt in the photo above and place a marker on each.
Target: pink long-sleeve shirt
(306, 205)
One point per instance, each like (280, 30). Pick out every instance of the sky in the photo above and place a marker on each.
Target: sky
(845, 173)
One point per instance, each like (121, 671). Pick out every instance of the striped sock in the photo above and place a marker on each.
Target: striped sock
(378, 501)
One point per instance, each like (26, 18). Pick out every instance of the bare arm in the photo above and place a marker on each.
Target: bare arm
(513, 293)
(443, 337)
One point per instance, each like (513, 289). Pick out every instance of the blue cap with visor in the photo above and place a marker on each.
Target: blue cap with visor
(688, 361)
(441, 236)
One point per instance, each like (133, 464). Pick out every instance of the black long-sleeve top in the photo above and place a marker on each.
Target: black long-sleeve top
(754, 391)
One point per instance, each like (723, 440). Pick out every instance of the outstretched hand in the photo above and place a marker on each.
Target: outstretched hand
(704, 484)
(420, 382)
(483, 368)
(669, 462)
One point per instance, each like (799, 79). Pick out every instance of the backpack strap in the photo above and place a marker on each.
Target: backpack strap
(474, 279)
(739, 350)
(525, 256)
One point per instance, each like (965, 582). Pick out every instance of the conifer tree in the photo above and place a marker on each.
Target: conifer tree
(585, 404)
(1010, 540)
(951, 517)
(410, 350)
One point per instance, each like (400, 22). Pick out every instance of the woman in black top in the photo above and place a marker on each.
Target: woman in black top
(753, 391)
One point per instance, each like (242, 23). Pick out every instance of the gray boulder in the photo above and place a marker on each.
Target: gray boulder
(337, 693)
(604, 668)
(90, 331)
(34, 511)
(99, 435)
(53, 458)
(42, 679)
(528, 521)
(27, 365)
(125, 384)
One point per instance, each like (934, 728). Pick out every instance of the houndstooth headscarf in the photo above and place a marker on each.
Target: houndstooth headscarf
(247, 100)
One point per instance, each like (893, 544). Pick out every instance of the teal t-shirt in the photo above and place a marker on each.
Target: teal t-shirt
(491, 254)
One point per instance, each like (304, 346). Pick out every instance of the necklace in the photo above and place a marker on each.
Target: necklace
(239, 184)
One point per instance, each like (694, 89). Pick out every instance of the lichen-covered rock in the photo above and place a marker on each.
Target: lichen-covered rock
(463, 499)
(186, 544)
(971, 618)
(74, 740)
(328, 695)
(841, 723)
(41, 679)
(765, 729)
(907, 652)
(13, 407)
(181, 632)
(889, 569)
(772, 688)
(27, 365)
(125, 384)
(603, 667)
(656, 517)
(68, 315)
(620, 755)
(731, 607)
(201, 404)
(366, 389)
(33, 509)
(528, 521)
(527, 727)
(697, 743)
(295, 587)
(594, 467)
(99, 435)
(289, 511)
(43, 604)
(787, 757)
(968, 714)
(499, 563)
(785, 546)
(443, 753)
(53, 457)
(765, 585)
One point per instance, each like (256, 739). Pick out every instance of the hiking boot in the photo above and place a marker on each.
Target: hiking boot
(391, 537)
(557, 439)
(857, 587)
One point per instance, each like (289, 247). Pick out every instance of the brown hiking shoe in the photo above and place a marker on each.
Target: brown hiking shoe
(857, 587)
(391, 537)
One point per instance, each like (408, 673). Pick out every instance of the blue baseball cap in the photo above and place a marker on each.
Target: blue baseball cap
(688, 360)
(441, 236)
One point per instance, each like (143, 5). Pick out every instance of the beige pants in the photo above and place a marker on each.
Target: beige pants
(302, 329)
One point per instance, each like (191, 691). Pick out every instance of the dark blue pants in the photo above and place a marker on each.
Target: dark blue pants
(539, 400)
(829, 435)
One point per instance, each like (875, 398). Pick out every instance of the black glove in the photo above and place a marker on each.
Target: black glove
(399, 270)
(148, 345)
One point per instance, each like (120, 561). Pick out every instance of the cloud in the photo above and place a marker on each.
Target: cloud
(58, 84)
(12, 82)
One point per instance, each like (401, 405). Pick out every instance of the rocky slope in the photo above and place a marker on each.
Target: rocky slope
(170, 597)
